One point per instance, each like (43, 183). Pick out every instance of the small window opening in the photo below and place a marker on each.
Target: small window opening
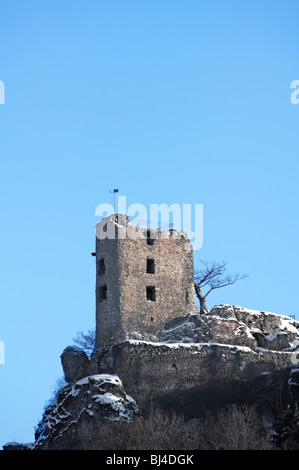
(150, 266)
(149, 240)
(102, 293)
(151, 293)
(152, 319)
(101, 266)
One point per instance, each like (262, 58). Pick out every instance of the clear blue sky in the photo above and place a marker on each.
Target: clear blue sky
(172, 102)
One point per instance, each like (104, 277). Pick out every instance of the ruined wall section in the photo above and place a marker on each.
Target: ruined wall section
(108, 321)
(156, 281)
(199, 377)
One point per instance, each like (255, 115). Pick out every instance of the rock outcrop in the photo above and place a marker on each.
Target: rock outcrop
(231, 355)
(70, 422)
(279, 331)
(75, 363)
(209, 329)
(236, 325)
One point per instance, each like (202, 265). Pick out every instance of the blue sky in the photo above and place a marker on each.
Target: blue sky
(170, 101)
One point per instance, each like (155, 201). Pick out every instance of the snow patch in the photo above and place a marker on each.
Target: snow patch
(196, 347)
(274, 335)
(57, 418)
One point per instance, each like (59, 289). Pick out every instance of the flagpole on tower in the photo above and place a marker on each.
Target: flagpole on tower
(114, 191)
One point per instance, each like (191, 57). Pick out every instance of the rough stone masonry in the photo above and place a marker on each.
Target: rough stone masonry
(144, 279)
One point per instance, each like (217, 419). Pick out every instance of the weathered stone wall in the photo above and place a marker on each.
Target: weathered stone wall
(191, 378)
(108, 320)
(127, 309)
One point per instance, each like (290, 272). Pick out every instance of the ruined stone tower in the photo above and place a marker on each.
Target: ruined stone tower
(144, 279)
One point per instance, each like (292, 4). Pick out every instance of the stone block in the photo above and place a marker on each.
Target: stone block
(75, 364)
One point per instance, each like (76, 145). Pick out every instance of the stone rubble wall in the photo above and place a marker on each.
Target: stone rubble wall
(126, 308)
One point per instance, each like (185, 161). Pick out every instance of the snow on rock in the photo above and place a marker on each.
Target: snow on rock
(193, 347)
(213, 330)
(81, 406)
(227, 324)
(210, 329)
(273, 321)
(271, 330)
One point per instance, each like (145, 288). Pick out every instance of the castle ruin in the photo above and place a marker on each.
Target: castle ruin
(144, 279)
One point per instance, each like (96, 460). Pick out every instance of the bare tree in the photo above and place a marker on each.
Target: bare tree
(213, 276)
(86, 341)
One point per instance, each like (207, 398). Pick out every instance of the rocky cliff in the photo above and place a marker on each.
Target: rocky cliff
(198, 363)
(231, 355)
(79, 408)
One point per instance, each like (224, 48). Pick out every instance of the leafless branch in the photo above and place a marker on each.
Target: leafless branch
(213, 274)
